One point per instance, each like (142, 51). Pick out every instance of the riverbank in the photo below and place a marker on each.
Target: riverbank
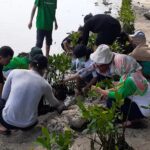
(138, 138)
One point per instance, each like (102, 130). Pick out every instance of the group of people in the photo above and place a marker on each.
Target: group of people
(23, 89)
(132, 68)
(25, 86)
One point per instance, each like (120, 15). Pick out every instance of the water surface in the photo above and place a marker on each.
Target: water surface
(15, 15)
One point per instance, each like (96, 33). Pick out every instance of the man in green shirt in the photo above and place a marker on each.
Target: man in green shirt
(44, 22)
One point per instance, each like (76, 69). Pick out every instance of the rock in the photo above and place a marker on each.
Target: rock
(147, 15)
(78, 124)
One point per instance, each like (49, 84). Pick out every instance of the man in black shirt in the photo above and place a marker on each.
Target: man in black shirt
(106, 27)
(6, 54)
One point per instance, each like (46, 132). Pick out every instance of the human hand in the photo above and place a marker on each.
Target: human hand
(85, 89)
(97, 89)
(100, 90)
(30, 25)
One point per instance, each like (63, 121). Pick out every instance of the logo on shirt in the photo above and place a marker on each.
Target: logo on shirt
(48, 3)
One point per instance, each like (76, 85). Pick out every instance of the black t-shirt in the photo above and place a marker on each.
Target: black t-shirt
(1, 74)
(99, 23)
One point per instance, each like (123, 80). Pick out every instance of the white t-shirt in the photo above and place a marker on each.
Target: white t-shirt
(143, 101)
(22, 91)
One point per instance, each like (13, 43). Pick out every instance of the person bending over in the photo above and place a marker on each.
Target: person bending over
(106, 27)
(21, 95)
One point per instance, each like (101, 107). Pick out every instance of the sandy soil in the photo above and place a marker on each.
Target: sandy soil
(140, 7)
(138, 138)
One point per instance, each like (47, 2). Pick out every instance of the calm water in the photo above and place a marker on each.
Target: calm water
(15, 14)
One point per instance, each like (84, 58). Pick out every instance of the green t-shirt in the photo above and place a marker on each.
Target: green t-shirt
(128, 88)
(17, 63)
(45, 14)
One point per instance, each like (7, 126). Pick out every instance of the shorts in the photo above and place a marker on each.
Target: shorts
(41, 34)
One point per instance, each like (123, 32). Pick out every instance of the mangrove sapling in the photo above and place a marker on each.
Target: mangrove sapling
(58, 66)
(91, 41)
(116, 47)
(75, 37)
(103, 125)
(54, 140)
(127, 16)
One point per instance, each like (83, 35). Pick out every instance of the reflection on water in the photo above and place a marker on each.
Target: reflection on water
(15, 14)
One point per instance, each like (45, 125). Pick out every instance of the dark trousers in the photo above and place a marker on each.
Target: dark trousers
(129, 109)
(41, 34)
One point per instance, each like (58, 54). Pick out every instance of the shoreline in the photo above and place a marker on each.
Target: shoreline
(140, 7)
(138, 138)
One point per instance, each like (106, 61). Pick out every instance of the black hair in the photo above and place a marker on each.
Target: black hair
(6, 51)
(123, 38)
(35, 51)
(23, 54)
(87, 17)
(80, 51)
(88, 53)
(39, 62)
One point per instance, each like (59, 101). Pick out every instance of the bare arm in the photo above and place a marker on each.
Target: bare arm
(32, 16)
(92, 82)
(50, 96)
(72, 77)
(101, 91)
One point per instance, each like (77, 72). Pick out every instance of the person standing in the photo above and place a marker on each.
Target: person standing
(44, 22)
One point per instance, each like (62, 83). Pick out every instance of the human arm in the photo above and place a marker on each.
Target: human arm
(72, 77)
(32, 16)
(88, 86)
(126, 89)
(56, 25)
(100, 90)
(49, 95)
(141, 53)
